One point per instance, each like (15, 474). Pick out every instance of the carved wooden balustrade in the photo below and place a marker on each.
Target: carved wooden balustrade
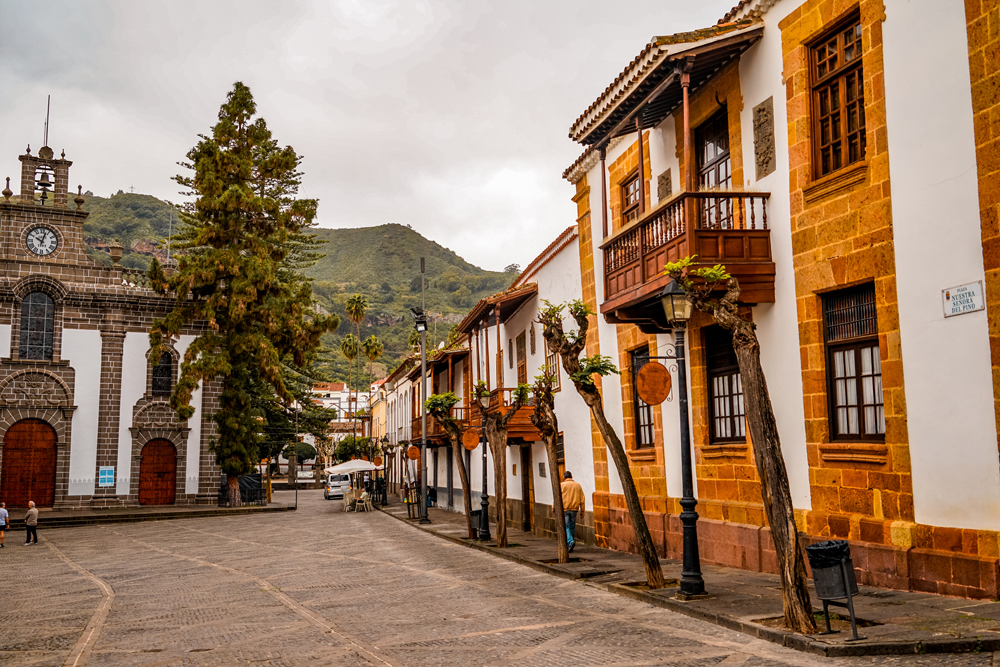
(434, 430)
(719, 227)
(520, 425)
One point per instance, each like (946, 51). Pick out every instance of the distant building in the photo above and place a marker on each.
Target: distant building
(85, 419)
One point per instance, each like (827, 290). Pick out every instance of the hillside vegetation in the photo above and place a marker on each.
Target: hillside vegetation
(382, 263)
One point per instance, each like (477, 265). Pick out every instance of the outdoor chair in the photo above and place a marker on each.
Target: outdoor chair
(364, 503)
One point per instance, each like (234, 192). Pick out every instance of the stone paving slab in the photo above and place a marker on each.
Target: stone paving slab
(322, 587)
(62, 518)
(903, 622)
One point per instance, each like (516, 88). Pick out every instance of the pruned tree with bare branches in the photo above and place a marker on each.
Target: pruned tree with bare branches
(545, 420)
(569, 346)
(701, 285)
(439, 407)
(497, 421)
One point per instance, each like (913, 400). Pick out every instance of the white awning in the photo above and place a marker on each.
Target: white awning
(348, 467)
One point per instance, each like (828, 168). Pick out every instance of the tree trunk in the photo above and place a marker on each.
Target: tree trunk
(233, 486)
(545, 420)
(463, 475)
(497, 437)
(654, 574)
(774, 487)
(558, 510)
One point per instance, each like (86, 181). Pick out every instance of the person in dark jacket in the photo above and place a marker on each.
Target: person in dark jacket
(31, 524)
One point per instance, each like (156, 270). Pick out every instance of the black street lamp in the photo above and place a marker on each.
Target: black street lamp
(677, 309)
(484, 511)
(420, 323)
(386, 448)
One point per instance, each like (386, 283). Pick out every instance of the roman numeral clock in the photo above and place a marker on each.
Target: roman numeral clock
(42, 241)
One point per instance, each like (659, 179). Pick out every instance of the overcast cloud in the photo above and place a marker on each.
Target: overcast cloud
(448, 116)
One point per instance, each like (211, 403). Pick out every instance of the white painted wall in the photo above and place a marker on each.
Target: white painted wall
(133, 387)
(761, 70)
(935, 210)
(82, 349)
(194, 423)
(5, 341)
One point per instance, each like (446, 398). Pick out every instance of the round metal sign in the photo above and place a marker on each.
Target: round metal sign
(653, 383)
(413, 452)
(377, 461)
(470, 439)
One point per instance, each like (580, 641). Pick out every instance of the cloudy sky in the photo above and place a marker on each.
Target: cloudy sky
(450, 116)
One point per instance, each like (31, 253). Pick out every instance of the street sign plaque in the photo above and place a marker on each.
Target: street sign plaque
(470, 439)
(653, 383)
(413, 452)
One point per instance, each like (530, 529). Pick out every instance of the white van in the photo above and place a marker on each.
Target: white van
(336, 486)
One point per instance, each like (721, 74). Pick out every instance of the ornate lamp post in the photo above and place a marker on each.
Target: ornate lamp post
(677, 308)
(420, 323)
(484, 512)
(384, 442)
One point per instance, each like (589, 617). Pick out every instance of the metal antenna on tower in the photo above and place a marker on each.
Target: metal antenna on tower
(48, 107)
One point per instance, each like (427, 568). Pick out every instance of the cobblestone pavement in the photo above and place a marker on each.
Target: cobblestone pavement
(321, 587)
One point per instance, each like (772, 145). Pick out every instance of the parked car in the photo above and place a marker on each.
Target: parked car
(336, 486)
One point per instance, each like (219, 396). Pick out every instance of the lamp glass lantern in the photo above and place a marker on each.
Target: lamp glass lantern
(484, 401)
(676, 305)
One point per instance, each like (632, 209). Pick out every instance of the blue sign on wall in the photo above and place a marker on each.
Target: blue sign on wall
(107, 476)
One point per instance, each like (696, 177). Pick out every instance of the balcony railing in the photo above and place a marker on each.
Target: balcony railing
(434, 429)
(520, 425)
(719, 227)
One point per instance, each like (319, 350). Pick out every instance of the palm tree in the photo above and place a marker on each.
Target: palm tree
(350, 347)
(372, 348)
(356, 308)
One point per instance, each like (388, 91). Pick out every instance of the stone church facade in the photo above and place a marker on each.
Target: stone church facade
(85, 419)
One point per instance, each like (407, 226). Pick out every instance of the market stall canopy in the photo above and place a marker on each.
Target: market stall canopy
(348, 467)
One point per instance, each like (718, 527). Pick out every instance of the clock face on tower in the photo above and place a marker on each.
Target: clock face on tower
(42, 241)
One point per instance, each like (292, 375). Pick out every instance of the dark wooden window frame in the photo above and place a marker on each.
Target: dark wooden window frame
(715, 213)
(38, 316)
(552, 368)
(726, 370)
(642, 412)
(839, 80)
(843, 334)
(631, 187)
(162, 376)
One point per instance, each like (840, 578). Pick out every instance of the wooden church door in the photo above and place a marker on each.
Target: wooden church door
(29, 464)
(158, 473)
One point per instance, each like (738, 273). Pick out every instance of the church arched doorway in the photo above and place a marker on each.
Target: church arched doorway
(28, 471)
(158, 473)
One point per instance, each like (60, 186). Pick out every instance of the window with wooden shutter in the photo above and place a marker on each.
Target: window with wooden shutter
(838, 97)
(644, 434)
(725, 386)
(854, 365)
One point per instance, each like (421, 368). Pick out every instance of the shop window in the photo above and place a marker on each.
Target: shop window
(854, 366)
(838, 98)
(725, 386)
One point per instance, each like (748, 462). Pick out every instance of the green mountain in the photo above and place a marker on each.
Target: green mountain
(382, 263)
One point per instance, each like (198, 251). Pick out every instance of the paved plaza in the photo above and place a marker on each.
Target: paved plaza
(322, 587)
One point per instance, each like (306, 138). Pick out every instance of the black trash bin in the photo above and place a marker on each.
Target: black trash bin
(825, 558)
(833, 576)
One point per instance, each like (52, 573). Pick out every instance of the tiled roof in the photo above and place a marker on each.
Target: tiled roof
(758, 8)
(648, 59)
(538, 262)
(330, 386)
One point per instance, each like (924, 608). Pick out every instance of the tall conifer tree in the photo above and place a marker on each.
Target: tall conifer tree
(245, 234)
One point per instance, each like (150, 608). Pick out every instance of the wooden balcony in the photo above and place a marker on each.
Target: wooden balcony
(719, 227)
(520, 426)
(436, 434)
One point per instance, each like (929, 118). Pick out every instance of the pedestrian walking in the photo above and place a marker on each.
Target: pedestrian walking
(31, 524)
(573, 502)
(4, 522)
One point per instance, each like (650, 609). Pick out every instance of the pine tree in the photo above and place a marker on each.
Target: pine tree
(237, 252)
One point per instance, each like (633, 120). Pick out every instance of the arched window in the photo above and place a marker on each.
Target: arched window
(37, 322)
(163, 375)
